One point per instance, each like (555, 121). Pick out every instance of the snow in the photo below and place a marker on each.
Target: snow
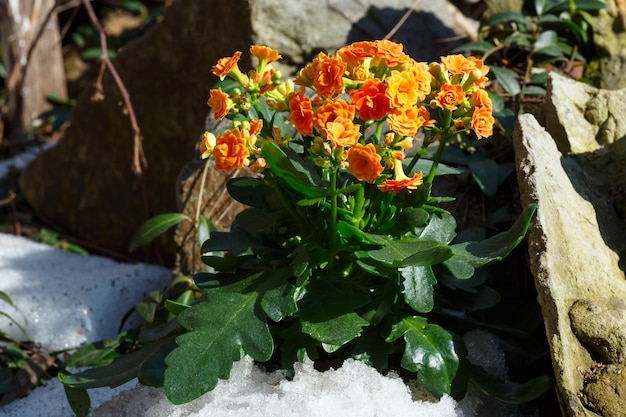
(70, 299)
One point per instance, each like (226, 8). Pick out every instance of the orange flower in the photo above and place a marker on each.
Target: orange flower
(405, 121)
(484, 70)
(342, 132)
(306, 75)
(364, 162)
(219, 103)
(207, 145)
(449, 96)
(301, 113)
(328, 81)
(265, 54)
(354, 55)
(458, 64)
(370, 100)
(422, 76)
(409, 184)
(400, 181)
(401, 89)
(390, 51)
(226, 65)
(255, 126)
(331, 109)
(482, 122)
(480, 98)
(230, 151)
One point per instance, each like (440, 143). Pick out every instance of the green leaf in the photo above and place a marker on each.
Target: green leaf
(122, 369)
(507, 391)
(485, 173)
(95, 53)
(175, 308)
(418, 287)
(152, 370)
(351, 234)
(4, 297)
(227, 263)
(533, 90)
(441, 227)
(204, 230)
(79, 400)
(371, 348)
(408, 252)
(424, 165)
(409, 219)
(293, 170)
(327, 313)
(477, 46)
(155, 227)
(249, 191)
(507, 79)
(468, 256)
(587, 5)
(506, 17)
(429, 351)
(540, 6)
(218, 329)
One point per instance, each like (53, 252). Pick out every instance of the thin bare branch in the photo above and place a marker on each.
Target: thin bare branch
(139, 160)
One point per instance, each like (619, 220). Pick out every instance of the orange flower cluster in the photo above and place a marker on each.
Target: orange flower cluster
(333, 100)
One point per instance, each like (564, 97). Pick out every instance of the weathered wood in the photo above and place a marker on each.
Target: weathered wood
(32, 74)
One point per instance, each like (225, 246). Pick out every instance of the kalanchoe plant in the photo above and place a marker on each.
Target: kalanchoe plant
(338, 252)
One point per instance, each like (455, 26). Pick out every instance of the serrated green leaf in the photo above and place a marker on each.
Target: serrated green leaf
(468, 256)
(218, 330)
(155, 227)
(429, 351)
(418, 287)
(507, 79)
(288, 166)
(507, 391)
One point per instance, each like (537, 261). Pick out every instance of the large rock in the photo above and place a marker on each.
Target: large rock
(609, 39)
(85, 185)
(577, 240)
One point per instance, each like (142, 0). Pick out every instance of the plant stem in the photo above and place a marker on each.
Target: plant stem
(433, 169)
(447, 121)
(333, 218)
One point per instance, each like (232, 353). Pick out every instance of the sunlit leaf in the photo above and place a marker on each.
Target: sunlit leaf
(218, 330)
(429, 351)
(507, 79)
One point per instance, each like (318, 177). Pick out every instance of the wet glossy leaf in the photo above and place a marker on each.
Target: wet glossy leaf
(429, 351)
(418, 287)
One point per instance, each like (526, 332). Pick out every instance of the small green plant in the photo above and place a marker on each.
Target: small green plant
(522, 47)
(343, 251)
(54, 239)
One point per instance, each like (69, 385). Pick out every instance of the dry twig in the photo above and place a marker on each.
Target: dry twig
(139, 159)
